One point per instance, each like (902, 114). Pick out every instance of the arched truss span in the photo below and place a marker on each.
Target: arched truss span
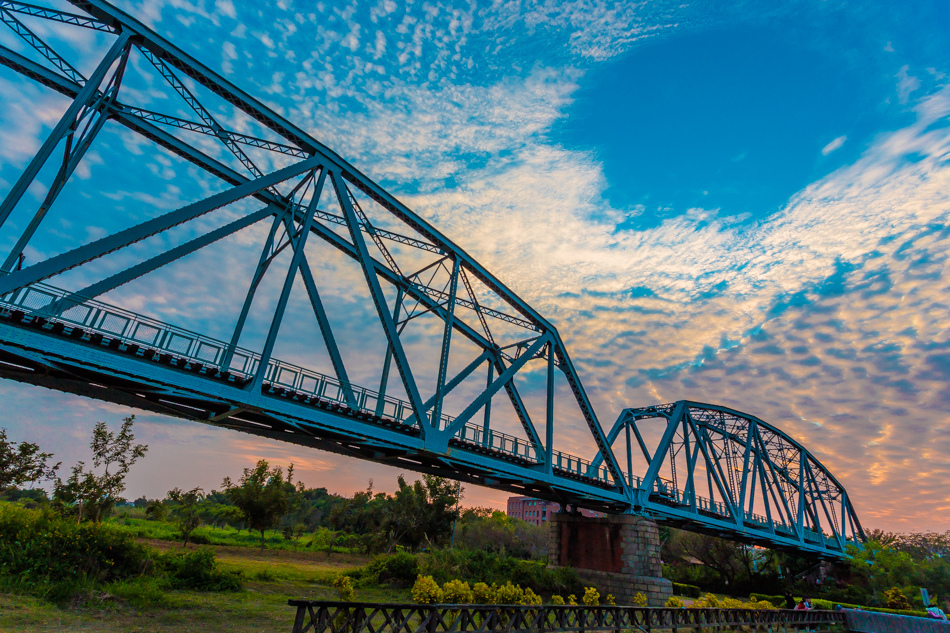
(713, 469)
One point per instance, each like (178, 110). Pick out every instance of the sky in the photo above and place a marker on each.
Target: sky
(730, 202)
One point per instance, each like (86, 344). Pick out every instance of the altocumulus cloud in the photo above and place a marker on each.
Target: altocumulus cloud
(828, 318)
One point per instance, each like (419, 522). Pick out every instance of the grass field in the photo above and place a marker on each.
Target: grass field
(273, 577)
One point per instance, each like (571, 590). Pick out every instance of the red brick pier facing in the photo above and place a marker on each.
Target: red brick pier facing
(618, 554)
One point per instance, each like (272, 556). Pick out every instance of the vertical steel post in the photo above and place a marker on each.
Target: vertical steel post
(446, 345)
(262, 265)
(388, 360)
(629, 457)
(549, 417)
(486, 426)
(66, 122)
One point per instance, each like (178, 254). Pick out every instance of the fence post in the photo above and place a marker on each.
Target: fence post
(298, 620)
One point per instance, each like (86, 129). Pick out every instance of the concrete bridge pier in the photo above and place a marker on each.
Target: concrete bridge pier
(618, 554)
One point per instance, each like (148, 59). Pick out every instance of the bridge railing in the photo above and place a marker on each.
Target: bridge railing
(354, 617)
(111, 321)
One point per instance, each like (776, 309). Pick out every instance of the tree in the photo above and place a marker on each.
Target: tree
(93, 495)
(261, 497)
(185, 510)
(23, 463)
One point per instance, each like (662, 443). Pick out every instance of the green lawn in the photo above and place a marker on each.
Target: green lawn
(166, 531)
(273, 577)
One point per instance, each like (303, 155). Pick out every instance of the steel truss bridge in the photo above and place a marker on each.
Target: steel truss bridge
(704, 468)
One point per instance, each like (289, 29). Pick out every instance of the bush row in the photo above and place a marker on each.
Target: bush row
(690, 591)
(819, 603)
(471, 566)
(43, 554)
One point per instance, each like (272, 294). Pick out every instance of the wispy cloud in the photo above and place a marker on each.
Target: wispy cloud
(833, 145)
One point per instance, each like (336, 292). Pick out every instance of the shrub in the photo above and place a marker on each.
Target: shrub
(198, 570)
(557, 600)
(43, 554)
(690, 591)
(591, 597)
(572, 600)
(674, 603)
(610, 600)
(479, 566)
(509, 594)
(484, 594)
(531, 598)
(709, 601)
(828, 605)
(775, 600)
(895, 599)
(426, 591)
(344, 588)
(457, 592)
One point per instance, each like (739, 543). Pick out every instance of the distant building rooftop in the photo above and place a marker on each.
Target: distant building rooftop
(537, 511)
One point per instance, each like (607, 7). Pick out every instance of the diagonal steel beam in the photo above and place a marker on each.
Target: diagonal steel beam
(41, 47)
(320, 312)
(298, 250)
(462, 375)
(56, 16)
(83, 98)
(95, 115)
(379, 300)
(133, 272)
(61, 263)
(503, 378)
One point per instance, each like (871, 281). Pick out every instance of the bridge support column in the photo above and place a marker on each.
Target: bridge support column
(619, 555)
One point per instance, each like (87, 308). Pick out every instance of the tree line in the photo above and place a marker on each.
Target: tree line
(423, 514)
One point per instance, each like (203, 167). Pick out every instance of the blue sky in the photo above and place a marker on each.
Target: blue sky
(720, 201)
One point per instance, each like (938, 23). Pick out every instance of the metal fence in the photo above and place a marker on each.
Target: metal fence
(358, 617)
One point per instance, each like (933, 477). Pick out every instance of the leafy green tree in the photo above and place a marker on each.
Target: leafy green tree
(23, 463)
(155, 510)
(185, 511)
(261, 497)
(91, 494)
(879, 568)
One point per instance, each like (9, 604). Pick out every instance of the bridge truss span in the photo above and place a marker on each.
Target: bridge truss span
(717, 470)
(375, 279)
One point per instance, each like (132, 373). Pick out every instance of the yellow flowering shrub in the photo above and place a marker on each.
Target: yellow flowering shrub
(509, 594)
(572, 600)
(457, 592)
(709, 601)
(426, 591)
(673, 603)
(530, 598)
(639, 599)
(557, 600)
(610, 600)
(591, 597)
(484, 594)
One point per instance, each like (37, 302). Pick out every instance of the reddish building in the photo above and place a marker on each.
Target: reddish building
(537, 511)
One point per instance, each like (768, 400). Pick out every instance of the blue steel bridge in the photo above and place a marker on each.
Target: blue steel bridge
(456, 411)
